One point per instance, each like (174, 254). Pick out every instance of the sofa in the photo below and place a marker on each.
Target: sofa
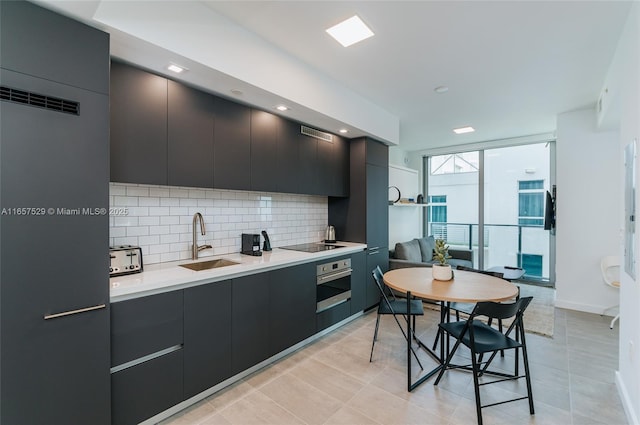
(419, 253)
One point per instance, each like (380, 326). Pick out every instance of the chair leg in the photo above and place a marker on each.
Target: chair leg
(447, 361)
(525, 360)
(375, 336)
(614, 321)
(407, 338)
(476, 386)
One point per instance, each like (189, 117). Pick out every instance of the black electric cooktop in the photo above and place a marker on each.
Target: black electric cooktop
(312, 247)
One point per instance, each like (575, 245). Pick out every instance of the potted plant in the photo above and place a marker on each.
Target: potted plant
(441, 270)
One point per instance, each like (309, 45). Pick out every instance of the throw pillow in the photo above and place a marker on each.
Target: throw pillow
(426, 247)
(409, 251)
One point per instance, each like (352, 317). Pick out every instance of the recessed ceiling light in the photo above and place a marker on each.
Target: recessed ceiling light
(237, 92)
(343, 130)
(282, 108)
(441, 89)
(350, 31)
(463, 130)
(176, 68)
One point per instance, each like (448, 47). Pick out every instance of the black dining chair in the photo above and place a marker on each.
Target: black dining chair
(394, 306)
(482, 339)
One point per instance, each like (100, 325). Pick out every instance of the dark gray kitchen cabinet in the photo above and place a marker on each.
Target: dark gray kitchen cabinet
(250, 321)
(138, 126)
(146, 356)
(264, 151)
(364, 216)
(46, 45)
(207, 336)
(333, 315)
(288, 164)
(147, 389)
(309, 171)
(375, 257)
(146, 325)
(325, 171)
(359, 278)
(232, 146)
(55, 355)
(292, 306)
(190, 130)
(340, 167)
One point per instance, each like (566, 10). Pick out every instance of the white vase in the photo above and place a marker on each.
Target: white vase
(441, 272)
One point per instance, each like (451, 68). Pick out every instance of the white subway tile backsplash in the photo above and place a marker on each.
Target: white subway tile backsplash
(159, 219)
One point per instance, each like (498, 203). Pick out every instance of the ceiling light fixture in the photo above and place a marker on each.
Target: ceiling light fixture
(176, 68)
(237, 92)
(343, 130)
(441, 89)
(463, 130)
(282, 108)
(350, 31)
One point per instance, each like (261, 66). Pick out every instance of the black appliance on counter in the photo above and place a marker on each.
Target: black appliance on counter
(311, 247)
(251, 244)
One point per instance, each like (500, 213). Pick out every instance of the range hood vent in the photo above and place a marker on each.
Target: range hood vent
(39, 100)
(312, 132)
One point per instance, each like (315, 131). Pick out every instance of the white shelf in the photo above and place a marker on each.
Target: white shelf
(398, 204)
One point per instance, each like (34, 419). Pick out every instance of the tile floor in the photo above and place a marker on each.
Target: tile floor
(332, 382)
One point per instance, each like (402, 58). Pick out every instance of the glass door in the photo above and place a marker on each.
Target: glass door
(452, 197)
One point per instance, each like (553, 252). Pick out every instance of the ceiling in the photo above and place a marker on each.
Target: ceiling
(510, 66)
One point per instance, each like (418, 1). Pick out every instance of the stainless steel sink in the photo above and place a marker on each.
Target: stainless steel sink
(207, 265)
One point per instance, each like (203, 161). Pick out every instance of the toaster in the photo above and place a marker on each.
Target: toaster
(124, 259)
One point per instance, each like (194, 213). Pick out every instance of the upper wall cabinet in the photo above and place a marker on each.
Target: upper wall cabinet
(138, 126)
(190, 137)
(24, 51)
(165, 133)
(264, 150)
(232, 146)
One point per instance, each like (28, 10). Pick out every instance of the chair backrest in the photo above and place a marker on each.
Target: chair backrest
(379, 280)
(610, 268)
(495, 310)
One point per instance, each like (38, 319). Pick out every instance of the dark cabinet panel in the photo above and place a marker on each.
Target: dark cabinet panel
(377, 206)
(340, 167)
(38, 42)
(232, 146)
(146, 325)
(190, 136)
(377, 153)
(207, 336)
(138, 126)
(325, 170)
(375, 257)
(358, 281)
(288, 159)
(250, 321)
(309, 171)
(292, 306)
(147, 389)
(264, 151)
(53, 160)
(332, 316)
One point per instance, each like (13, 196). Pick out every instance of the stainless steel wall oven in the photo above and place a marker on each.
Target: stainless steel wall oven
(333, 284)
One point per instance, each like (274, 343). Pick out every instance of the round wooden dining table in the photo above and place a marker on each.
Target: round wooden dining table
(465, 287)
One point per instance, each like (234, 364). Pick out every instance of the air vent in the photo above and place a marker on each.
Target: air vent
(312, 132)
(39, 100)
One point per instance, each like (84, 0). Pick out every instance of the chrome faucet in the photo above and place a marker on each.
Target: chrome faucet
(194, 247)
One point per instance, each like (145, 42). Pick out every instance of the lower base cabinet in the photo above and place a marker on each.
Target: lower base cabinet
(147, 389)
(359, 278)
(333, 315)
(207, 336)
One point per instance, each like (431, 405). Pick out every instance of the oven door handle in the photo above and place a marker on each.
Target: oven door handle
(334, 276)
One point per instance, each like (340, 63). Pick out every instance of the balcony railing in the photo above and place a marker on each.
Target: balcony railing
(504, 245)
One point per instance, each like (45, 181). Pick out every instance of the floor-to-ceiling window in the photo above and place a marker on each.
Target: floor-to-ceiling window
(493, 202)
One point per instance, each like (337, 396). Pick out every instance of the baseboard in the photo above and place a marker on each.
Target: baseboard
(587, 308)
(632, 417)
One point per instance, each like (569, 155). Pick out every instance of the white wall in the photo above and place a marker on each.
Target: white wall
(623, 79)
(589, 172)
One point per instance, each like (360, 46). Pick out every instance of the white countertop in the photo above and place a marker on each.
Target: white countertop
(164, 277)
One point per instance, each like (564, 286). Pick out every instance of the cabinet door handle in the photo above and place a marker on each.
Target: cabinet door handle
(69, 313)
